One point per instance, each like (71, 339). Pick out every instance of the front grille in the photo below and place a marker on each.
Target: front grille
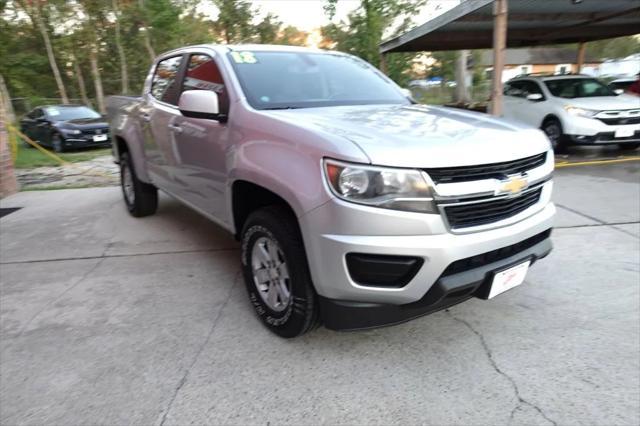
(92, 132)
(485, 171)
(483, 259)
(482, 213)
(620, 120)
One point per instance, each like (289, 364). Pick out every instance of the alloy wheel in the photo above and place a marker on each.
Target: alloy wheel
(270, 274)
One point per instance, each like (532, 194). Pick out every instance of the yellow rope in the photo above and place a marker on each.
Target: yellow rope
(15, 132)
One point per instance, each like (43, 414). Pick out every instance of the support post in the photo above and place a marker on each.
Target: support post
(383, 64)
(499, 45)
(581, 51)
(462, 90)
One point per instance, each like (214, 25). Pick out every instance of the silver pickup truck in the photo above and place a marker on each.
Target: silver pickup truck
(355, 206)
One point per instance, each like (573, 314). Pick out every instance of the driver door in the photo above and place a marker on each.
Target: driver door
(201, 144)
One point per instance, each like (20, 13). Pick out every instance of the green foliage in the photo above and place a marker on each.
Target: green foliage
(365, 29)
(75, 26)
(614, 48)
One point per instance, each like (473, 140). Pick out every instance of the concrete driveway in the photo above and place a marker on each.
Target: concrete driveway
(107, 319)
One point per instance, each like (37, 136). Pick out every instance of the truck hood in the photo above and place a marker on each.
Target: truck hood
(422, 136)
(601, 103)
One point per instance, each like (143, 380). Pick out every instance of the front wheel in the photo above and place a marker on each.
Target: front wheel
(140, 198)
(276, 274)
(553, 129)
(57, 143)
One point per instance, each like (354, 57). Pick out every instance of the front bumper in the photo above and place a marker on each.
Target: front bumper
(583, 130)
(337, 228)
(455, 285)
(604, 138)
(84, 142)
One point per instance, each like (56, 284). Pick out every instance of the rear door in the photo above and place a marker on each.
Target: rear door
(200, 144)
(513, 100)
(157, 113)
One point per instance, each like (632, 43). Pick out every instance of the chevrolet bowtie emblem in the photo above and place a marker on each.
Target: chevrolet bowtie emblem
(513, 185)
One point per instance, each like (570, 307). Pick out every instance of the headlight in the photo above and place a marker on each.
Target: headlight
(580, 112)
(71, 131)
(399, 189)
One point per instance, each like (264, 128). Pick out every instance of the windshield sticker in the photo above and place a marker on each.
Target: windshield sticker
(53, 111)
(244, 58)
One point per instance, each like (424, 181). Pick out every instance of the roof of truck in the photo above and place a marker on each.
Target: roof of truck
(253, 47)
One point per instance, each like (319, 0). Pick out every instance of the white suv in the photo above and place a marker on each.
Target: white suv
(574, 109)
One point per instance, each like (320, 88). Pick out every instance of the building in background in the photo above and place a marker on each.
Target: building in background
(552, 60)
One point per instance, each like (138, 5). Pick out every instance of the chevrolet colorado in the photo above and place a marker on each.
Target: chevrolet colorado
(355, 206)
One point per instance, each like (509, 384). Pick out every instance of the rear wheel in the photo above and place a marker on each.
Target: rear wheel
(140, 198)
(276, 274)
(628, 146)
(553, 129)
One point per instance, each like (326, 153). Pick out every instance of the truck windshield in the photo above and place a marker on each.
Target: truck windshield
(578, 88)
(283, 80)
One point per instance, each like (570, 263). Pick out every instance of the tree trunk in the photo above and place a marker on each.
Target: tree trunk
(124, 73)
(147, 35)
(52, 59)
(80, 79)
(97, 80)
(5, 102)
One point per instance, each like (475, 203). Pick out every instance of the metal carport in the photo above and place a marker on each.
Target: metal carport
(482, 24)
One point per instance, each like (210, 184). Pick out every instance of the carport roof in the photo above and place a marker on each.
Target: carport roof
(530, 23)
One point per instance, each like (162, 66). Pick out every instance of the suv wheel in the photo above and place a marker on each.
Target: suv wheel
(140, 198)
(276, 274)
(57, 143)
(553, 129)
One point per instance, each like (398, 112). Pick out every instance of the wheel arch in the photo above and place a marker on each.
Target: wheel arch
(119, 145)
(247, 197)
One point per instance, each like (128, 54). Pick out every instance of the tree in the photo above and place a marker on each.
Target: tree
(234, 20)
(268, 29)
(367, 26)
(124, 73)
(37, 14)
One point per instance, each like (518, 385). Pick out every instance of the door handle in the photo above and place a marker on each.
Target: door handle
(175, 129)
(145, 117)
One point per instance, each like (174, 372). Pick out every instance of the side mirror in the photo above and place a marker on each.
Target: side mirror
(200, 104)
(535, 97)
(618, 91)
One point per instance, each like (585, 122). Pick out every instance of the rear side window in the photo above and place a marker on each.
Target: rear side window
(165, 84)
(204, 74)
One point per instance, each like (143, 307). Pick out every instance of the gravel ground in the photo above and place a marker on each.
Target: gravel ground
(101, 171)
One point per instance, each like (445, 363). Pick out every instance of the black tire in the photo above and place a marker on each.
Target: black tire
(553, 129)
(57, 143)
(628, 146)
(300, 312)
(140, 198)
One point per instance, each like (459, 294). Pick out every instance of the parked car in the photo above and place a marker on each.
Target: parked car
(64, 127)
(574, 109)
(353, 205)
(621, 85)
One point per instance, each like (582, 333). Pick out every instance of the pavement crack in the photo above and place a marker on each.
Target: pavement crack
(492, 361)
(107, 256)
(185, 376)
(599, 221)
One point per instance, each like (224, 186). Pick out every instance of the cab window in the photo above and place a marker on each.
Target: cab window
(164, 84)
(204, 74)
